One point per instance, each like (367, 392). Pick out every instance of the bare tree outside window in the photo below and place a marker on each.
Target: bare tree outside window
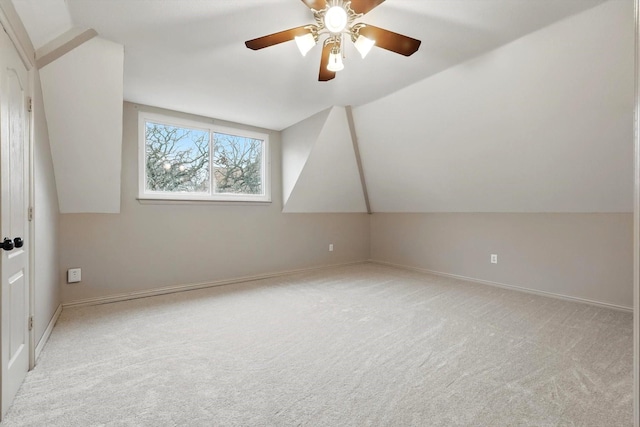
(237, 164)
(177, 159)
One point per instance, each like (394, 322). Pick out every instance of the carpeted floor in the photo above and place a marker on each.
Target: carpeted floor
(352, 346)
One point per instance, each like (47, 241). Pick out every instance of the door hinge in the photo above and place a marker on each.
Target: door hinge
(29, 104)
(30, 322)
(30, 214)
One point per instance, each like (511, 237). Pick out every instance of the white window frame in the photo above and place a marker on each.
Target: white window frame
(144, 194)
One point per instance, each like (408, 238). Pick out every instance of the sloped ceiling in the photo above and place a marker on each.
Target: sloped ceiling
(82, 93)
(543, 124)
(190, 56)
(508, 106)
(44, 19)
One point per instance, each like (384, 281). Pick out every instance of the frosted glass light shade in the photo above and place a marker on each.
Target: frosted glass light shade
(364, 45)
(305, 43)
(335, 62)
(335, 20)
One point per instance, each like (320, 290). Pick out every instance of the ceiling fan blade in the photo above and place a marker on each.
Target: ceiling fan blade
(364, 6)
(276, 38)
(325, 75)
(315, 4)
(389, 40)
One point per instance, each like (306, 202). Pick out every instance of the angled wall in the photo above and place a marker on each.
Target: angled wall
(82, 92)
(525, 152)
(297, 143)
(543, 124)
(320, 165)
(46, 218)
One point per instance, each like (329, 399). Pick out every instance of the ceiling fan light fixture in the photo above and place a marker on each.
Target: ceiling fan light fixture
(364, 45)
(305, 43)
(336, 22)
(336, 19)
(335, 61)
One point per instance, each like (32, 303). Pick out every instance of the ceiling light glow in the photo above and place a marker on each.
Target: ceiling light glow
(364, 45)
(335, 20)
(305, 43)
(335, 61)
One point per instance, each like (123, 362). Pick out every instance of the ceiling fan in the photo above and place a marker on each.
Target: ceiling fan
(335, 18)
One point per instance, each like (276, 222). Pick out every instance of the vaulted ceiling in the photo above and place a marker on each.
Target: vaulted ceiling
(189, 55)
(508, 106)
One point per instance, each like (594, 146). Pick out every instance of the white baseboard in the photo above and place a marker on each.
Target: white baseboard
(193, 286)
(47, 332)
(504, 285)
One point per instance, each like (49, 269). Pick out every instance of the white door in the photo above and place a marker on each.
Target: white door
(14, 157)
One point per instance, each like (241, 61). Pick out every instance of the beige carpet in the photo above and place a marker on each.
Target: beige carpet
(353, 346)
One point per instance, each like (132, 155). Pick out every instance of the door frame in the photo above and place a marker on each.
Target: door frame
(636, 223)
(32, 237)
(10, 22)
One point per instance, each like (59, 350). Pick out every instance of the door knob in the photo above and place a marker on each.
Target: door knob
(18, 242)
(7, 244)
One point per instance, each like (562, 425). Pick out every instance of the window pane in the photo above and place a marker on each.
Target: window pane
(237, 164)
(177, 159)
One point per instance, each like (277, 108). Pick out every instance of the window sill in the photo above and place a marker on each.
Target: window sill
(169, 201)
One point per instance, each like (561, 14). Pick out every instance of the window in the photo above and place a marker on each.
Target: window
(188, 160)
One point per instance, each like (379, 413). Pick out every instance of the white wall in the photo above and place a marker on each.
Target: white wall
(83, 92)
(543, 124)
(297, 143)
(319, 167)
(46, 272)
(149, 246)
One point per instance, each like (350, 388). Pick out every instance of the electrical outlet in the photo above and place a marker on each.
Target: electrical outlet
(494, 258)
(330, 247)
(74, 275)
